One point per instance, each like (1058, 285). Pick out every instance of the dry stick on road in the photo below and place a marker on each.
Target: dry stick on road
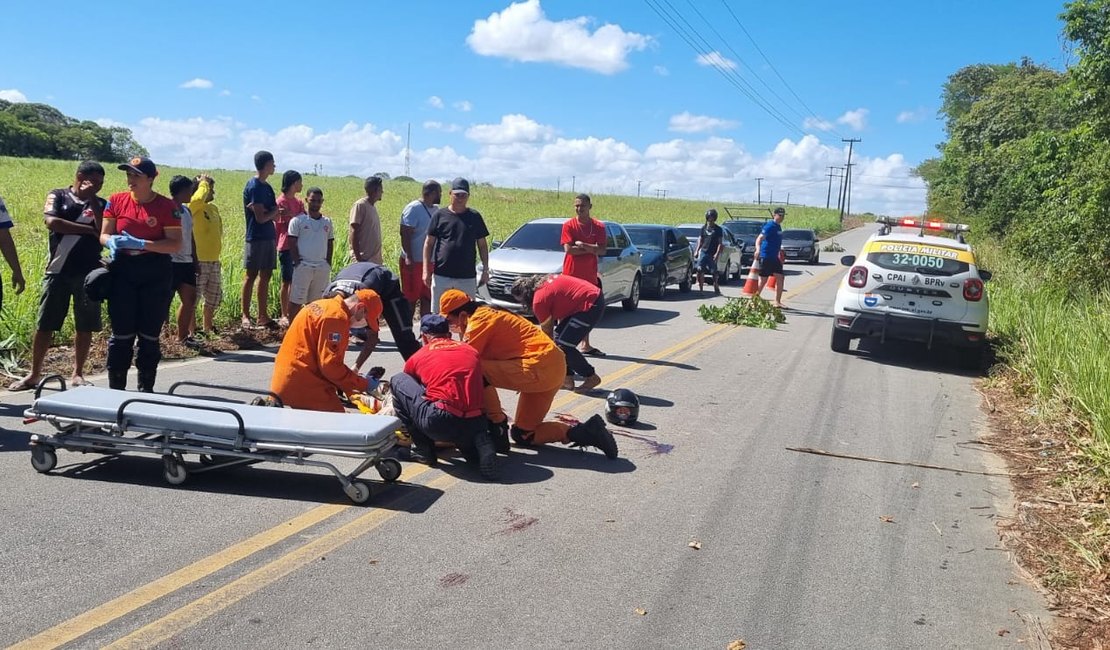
(821, 452)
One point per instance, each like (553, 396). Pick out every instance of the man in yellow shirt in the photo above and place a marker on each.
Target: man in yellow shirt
(208, 232)
(516, 355)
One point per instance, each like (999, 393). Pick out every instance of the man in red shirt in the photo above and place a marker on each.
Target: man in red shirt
(566, 308)
(438, 397)
(583, 240)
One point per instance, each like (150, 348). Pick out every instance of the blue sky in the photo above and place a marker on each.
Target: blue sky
(533, 93)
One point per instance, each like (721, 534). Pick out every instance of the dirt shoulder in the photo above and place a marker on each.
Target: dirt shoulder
(1061, 528)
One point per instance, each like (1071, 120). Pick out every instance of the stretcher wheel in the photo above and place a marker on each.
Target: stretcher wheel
(389, 469)
(358, 491)
(173, 470)
(43, 458)
(207, 460)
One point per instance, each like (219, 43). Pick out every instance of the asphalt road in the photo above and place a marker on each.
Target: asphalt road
(796, 550)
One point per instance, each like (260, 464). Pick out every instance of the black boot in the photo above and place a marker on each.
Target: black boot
(146, 381)
(423, 454)
(499, 434)
(117, 379)
(521, 437)
(486, 456)
(593, 433)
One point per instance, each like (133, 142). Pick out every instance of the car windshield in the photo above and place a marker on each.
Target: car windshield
(691, 233)
(744, 228)
(798, 235)
(647, 238)
(536, 236)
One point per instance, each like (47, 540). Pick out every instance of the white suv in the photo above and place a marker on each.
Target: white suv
(913, 286)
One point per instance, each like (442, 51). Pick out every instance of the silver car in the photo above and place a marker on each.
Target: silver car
(534, 249)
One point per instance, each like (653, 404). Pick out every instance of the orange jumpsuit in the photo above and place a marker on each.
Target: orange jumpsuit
(517, 355)
(309, 367)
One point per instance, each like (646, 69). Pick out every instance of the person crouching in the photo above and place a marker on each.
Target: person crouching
(567, 309)
(438, 397)
(310, 365)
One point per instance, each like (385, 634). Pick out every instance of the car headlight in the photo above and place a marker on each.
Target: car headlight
(649, 268)
(807, 249)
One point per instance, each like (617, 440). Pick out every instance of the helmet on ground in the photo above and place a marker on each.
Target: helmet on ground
(622, 407)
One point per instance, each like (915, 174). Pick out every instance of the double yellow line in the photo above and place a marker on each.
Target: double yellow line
(206, 606)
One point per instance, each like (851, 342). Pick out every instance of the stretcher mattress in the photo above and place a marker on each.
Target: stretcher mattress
(263, 424)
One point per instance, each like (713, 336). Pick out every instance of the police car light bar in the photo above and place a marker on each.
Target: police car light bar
(929, 224)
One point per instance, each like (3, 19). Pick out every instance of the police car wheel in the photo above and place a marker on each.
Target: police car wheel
(841, 340)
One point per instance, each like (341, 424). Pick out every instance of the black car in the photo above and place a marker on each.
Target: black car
(665, 257)
(801, 245)
(745, 231)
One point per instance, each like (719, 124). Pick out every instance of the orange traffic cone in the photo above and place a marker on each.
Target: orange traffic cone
(772, 282)
(751, 285)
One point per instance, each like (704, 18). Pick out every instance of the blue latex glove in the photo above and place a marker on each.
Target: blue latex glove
(374, 377)
(127, 241)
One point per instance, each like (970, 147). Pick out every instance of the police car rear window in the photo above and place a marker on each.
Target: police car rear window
(918, 261)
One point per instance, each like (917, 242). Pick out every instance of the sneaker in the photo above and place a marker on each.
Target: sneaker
(591, 382)
(499, 434)
(593, 433)
(423, 455)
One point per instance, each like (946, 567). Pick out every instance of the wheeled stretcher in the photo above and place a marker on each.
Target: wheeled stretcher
(221, 432)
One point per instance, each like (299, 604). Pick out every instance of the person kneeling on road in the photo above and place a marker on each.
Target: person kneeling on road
(517, 356)
(396, 308)
(309, 367)
(567, 308)
(438, 397)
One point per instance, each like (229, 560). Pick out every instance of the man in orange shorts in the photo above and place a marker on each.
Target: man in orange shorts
(516, 355)
(310, 367)
(414, 230)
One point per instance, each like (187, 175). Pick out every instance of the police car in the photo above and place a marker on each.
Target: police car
(916, 285)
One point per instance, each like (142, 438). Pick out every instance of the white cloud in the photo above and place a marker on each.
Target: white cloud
(661, 70)
(198, 83)
(463, 106)
(512, 129)
(522, 32)
(907, 117)
(435, 102)
(225, 93)
(816, 124)
(520, 152)
(716, 60)
(256, 98)
(433, 125)
(12, 95)
(856, 120)
(686, 122)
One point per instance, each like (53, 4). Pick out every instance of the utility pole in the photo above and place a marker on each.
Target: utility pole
(828, 195)
(572, 184)
(788, 198)
(759, 190)
(558, 186)
(848, 178)
(638, 188)
(772, 199)
(408, 148)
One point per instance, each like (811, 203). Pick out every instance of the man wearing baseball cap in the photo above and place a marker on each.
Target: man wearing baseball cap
(453, 234)
(438, 397)
(768, 245)
(310, 365)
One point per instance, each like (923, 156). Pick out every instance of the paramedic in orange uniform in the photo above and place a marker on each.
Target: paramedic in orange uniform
(310, 368)
(516, 355)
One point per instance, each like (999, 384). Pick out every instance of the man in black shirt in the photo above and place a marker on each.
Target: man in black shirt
(449, 261)
(396, 309)
(72, 215)
(710, 243)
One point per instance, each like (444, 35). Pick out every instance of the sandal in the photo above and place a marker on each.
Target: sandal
(593, 352)
(20, 385)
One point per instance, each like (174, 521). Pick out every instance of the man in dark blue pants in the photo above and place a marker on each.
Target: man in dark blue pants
(396, 309)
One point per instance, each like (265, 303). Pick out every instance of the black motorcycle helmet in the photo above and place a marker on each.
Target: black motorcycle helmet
(711, 212)
(622, 407)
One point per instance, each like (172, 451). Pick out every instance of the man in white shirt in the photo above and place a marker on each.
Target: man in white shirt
(311, 237)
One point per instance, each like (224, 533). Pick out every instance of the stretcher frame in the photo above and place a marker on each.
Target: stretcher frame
(214, 452)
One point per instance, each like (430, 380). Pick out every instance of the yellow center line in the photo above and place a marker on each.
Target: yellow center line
(202, 608)
(102, 615)
(112, 610)
(814, 282)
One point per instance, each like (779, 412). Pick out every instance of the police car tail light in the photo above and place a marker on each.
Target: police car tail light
(857, 277)
(973, 289)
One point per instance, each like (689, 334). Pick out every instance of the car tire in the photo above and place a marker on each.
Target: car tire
(841, 340)
(686, 284)
(633, 300)
(661, 289)
(816, 258)
(970, 358)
